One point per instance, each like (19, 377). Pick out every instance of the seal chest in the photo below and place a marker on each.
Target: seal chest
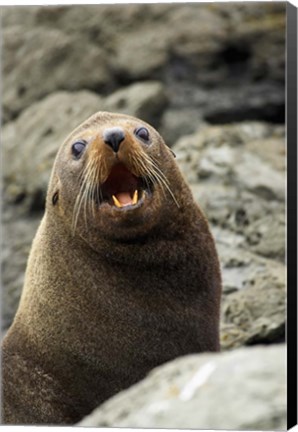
(123, 275)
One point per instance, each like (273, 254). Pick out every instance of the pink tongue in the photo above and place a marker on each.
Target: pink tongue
(124, 198)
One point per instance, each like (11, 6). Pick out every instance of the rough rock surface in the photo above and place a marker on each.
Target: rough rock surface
(253, 304)
(239, 390)
(146, 100)
(226, 64)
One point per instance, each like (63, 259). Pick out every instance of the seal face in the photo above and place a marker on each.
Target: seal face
(116, 180)
(123, 275)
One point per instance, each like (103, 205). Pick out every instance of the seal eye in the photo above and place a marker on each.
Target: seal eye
(77, 148)
(142, 133)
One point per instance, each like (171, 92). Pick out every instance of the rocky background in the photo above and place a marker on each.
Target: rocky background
(210, 77)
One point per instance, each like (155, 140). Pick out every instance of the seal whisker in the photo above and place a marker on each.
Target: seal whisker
(89, 195)
(157, 169)
(165, 183)
(77, 206)
(90, 188)
(149, 171)
(160, 177)
(101, 167)
(96, 179)
(141, 167)
(81, 195)
(146, 173)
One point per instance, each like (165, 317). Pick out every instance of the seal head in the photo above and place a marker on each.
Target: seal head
(117, 176)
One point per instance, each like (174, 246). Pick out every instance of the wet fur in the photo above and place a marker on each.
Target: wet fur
(106, 300)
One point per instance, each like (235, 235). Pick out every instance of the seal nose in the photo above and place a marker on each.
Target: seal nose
(114, 137)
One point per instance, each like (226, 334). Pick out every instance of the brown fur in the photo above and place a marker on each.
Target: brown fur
(114, 295)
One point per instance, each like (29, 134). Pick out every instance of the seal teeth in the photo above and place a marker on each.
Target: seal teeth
(135, 197)
(116, 202)
(133, 202)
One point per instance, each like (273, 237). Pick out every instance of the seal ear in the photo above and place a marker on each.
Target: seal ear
(173, 153)
(55, 197)
(57, 185)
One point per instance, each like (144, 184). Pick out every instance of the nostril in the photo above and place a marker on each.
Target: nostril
(114, 137)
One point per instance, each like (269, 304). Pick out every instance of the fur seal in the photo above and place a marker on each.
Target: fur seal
(123, 275)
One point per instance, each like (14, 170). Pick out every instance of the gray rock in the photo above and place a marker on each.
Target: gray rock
(250, 133)
(217, 162)
(230, 155)
(174, 125)
(243, 169)
(243, 269)
(41, 61)
(262, 101)
(234, 138)
(244, 389)
(212, 65)
(219, 105)
(271, 149)
(241, 212)
(145, 100)
(259, 178)
(267, 236)
(226, 237)
(77, 19)
(133, 62)
(256, 311)
(221, 204)
(170, 51)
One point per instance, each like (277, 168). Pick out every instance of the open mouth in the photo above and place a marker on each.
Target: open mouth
(123, 189)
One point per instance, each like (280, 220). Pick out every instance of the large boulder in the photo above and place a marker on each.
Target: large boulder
(244, 389)
(41, 61)
(145, 100)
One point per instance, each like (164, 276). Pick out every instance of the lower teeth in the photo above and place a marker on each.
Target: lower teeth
(134, 201)
(135, 197)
